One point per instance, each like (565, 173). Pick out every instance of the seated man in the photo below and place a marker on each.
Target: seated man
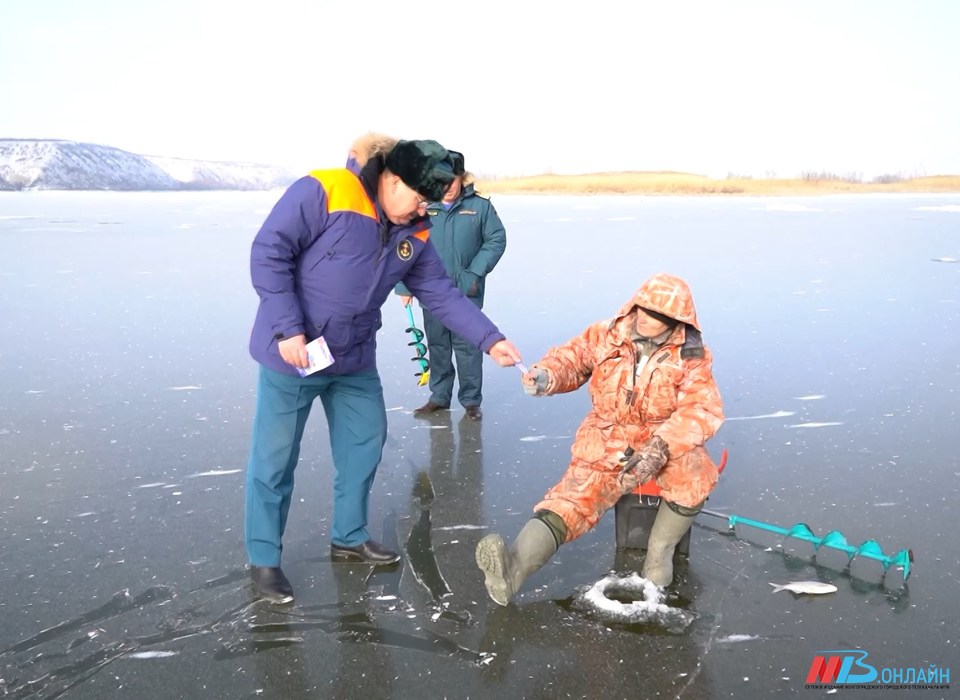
(655, 404)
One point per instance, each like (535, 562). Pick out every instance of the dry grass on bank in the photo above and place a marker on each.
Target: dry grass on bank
(670, 183)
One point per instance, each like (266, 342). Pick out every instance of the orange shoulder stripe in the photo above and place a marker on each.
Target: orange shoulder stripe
(344, 192)
(422, 235)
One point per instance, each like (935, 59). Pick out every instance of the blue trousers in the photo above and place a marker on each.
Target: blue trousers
(442, 344)
(357, 421)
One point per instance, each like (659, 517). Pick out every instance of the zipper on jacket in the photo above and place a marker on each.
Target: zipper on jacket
(633, 376)
(384, 232)
(640, 361)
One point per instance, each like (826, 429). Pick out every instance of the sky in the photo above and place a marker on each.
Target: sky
(762, 88)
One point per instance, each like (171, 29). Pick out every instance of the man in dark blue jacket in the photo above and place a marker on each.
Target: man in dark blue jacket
(470, 238)
(323, 263)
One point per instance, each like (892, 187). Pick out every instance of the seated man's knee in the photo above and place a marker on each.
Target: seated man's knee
(685, 511)
(555, 523)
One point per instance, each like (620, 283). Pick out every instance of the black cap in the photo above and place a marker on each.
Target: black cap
(424, 166)
(458, 166)
(663, 318)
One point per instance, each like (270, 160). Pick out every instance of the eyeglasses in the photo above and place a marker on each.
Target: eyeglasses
(421, 202)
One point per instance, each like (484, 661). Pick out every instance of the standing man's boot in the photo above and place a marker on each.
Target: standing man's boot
(504, 569)
(270, 584)
(672, 523)
(428, 408)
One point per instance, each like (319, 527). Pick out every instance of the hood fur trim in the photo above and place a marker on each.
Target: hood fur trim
(369, 146)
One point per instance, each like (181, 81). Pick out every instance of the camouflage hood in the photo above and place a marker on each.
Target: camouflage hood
(665, 294)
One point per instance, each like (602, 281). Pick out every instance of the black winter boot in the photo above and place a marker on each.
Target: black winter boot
(270, 584)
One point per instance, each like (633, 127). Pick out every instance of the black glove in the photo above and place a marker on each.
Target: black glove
(641, 465)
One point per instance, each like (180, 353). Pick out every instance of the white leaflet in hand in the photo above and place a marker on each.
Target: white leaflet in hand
(319, 356)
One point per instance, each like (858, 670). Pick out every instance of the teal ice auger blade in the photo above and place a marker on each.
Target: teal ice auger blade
(424, 373)
(833, 539)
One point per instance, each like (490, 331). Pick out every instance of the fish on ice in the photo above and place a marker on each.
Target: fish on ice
(801, 587)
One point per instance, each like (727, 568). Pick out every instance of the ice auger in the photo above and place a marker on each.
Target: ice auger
(420, 347)
(833, 539)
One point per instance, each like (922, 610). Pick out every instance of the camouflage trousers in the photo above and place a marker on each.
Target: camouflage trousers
(587, 490)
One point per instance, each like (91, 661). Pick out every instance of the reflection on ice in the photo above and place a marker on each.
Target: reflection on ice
(540, 438)
(236, 625)
(152, 654)
(735, 638)
(461, 527)
(643, 602)
(778, 414)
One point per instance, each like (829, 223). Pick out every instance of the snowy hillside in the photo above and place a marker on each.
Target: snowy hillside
(211, 175)
(69, 165)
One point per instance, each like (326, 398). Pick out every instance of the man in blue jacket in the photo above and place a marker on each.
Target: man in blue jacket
(323, 263)
(470, 238)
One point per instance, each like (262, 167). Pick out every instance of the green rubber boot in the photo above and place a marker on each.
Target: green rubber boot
(668, 529)
(504, 569)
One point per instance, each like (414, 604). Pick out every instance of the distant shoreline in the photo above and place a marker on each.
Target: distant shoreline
(669, 183)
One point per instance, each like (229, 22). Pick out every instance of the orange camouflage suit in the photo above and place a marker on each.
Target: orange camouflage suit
(674, 396)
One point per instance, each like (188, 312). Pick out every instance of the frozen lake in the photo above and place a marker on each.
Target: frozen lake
(125, 407)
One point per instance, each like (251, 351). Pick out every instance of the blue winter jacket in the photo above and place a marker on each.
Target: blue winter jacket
(326, 259)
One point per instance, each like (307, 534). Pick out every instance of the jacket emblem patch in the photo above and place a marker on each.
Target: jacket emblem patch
(467, 212)
(404, 250)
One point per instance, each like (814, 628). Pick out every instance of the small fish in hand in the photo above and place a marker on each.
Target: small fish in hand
(801, 587)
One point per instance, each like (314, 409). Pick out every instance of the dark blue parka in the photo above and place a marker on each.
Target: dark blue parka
(325, 260)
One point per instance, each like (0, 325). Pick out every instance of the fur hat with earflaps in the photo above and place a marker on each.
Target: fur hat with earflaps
(458, 162)
(424, 166)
